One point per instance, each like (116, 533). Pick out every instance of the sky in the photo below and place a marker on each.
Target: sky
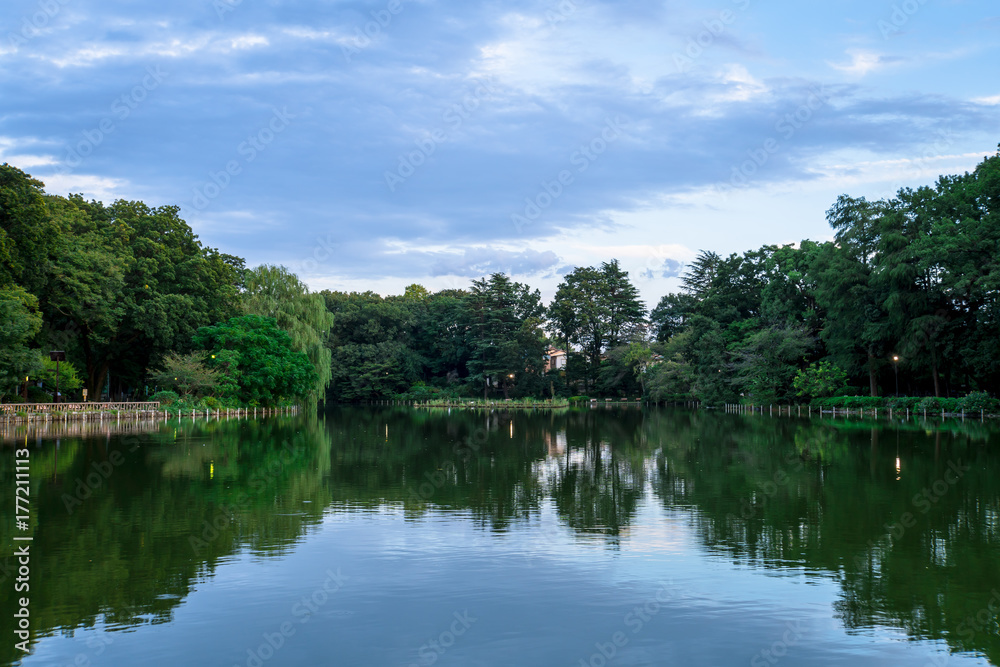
(371, 145)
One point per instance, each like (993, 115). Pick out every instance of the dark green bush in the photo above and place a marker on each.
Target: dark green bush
(165, 398)
(978, 400)
(915, 404)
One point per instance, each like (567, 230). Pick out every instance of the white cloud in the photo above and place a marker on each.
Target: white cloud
(862, 63)
(248, 42)
(92, 55)
(91, 187)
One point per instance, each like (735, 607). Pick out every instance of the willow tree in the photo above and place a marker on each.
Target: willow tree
(274, 291)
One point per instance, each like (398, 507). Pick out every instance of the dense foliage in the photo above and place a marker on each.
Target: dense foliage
(120, 288)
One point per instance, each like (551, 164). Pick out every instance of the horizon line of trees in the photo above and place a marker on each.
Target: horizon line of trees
(906, 292)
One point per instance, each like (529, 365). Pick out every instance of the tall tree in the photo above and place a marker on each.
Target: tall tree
(597, 309)
(19, 322)
(371, 345)
(130, 283)
(506, 342)
(274, 291)
(26, 230)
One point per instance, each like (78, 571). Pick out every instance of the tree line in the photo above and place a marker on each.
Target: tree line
(138, 303)
(903, 300)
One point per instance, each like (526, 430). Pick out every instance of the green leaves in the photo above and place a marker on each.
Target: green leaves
(258, 359)
(503, 320)
(820, 380)
(273, 291)
(599, 310)
(187, 373)
(19, 322)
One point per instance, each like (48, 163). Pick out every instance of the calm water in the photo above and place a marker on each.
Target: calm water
(618, 537)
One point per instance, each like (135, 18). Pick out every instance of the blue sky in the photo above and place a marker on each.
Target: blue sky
(369, 145)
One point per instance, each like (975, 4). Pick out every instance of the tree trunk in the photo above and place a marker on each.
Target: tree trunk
(872, 384)
(934, 373)
(96, 372)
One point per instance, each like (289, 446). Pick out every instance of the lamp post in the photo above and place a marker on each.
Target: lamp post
(895, 367)
(57, 356)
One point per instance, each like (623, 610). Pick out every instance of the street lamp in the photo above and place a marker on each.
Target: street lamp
(895, 367)
(57, 356)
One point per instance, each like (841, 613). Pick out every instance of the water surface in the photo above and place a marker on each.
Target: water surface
(371, 536)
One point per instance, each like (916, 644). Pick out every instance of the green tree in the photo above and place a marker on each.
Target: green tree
(186, 373)
(671, 314)
(371, 345)
(506, 342)
(129, 283)
(260, 360)
(765, 366)
(273, 291)
(68, 379)
(26, 230)
(20, 321)
(597, 309)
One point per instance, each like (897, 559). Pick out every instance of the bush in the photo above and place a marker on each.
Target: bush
(976, 401)
(36, 395)
(211, 402)
(913, 403)
(424, 392)
(822, 379)
(165, 397)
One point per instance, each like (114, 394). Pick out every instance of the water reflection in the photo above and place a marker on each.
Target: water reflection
(906, 519)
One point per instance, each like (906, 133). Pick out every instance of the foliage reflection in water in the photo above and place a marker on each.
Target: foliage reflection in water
(900, 522)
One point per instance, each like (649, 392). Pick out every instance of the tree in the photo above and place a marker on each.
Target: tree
(700, 275)
(26, 230)
(624, 371)
(506, 342)
(65, 376)
(129, 283)
(766, 365)
(371, 345)
(671, 314)
(273, 291)
(186, 373)
(856, 328)
(260, 360)
(598, 309)
(20, 321)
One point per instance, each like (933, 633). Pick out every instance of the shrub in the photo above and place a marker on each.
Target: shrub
(36, 395)
(822, 379)
(930, 404)
(976, 401)
(165, 397)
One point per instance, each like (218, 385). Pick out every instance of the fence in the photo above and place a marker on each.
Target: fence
(13, 408)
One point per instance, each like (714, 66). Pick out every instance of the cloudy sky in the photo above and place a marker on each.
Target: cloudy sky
(369, 145)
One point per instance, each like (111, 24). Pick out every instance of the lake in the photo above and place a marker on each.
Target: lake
(607, 536)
